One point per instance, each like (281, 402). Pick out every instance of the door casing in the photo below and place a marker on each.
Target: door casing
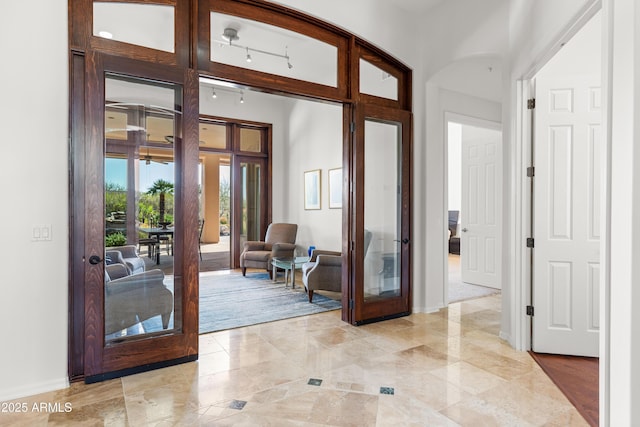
(471, 121)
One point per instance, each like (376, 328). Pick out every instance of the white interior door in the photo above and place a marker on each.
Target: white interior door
(567, 147)
(480, 257)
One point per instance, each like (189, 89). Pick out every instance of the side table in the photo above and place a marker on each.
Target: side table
(288, 265)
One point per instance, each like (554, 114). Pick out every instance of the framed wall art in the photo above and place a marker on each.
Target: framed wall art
(312, 189)
(335, 188)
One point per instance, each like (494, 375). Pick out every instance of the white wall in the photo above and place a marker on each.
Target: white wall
(535, 26)
(313, 141)
(34, 283)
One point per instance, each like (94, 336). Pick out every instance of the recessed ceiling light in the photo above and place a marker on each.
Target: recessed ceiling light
(105, 34)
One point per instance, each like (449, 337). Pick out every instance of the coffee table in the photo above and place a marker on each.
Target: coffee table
(288, 264)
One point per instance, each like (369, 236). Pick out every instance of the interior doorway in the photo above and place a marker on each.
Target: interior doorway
(215, 224)
(473, 208)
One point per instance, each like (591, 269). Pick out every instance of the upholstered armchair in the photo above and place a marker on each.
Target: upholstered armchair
(127, 255)
(131, 299)
(322, 272)
(280, 241)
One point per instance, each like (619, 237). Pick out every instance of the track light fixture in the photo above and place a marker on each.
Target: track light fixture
(214, 92)
(230, 36)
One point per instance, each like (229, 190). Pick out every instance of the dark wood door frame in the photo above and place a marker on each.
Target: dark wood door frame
(232, 149)
(92, 359)
(390, 307)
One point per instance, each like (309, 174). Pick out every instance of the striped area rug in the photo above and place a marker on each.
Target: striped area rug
(230, 301)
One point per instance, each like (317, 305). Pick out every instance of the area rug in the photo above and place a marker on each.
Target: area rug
(230, 301)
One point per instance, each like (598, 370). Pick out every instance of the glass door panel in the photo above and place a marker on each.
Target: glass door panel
(139, 175)
(249, 193)
(382, 206)
(215, 211)
(250, 201)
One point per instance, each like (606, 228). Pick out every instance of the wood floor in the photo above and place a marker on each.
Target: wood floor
(577, 378)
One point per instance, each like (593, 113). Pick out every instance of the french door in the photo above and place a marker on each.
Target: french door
(381, 224)
(250, 202)
(140, 193)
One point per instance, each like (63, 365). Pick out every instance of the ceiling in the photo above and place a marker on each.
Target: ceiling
(480, 77)
(416, 5)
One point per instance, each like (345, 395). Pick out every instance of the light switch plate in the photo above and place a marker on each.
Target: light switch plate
(41, 233)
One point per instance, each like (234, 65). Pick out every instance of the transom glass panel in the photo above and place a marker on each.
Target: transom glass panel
(213, 135)
(270, 49)
(251, 140)
(148, 25)
(377, 82)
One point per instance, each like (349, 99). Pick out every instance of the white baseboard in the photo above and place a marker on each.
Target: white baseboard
(426, 309)
(33, 389)
(506, 337)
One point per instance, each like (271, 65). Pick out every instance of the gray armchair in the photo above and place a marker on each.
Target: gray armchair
(131, 299)
(280, 241)
(127, 255)
(322, 272)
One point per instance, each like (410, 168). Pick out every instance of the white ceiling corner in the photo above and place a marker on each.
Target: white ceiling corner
(419, 6)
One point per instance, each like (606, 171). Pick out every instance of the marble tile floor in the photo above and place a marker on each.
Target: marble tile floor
(442, 369)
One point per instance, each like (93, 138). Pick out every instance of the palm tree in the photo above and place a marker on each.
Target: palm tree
(161, 187)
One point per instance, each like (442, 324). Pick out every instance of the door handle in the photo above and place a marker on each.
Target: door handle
(405, 240)
(95, 259)
(464, 230)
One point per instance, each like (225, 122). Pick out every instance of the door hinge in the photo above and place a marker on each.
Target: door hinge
(531, 104)
(530, 242)
(529, 310)
(351, 304)
(352, 127)
(531, 171)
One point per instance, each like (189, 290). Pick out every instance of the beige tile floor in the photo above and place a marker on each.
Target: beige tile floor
(442, 369)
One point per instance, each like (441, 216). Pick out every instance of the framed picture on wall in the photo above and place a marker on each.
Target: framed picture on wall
(335, 188)
(312, 189)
